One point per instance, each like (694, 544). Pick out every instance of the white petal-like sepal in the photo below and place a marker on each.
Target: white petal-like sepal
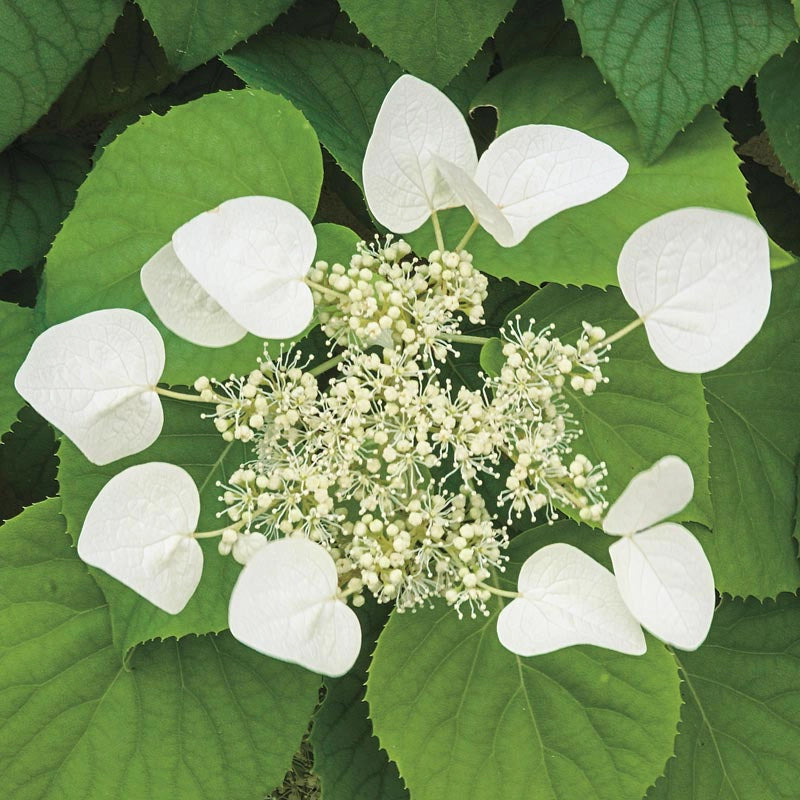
(139, 530)
(489, 216)
(567, 599)
(93, 377)
(251, 255)
(700, 280)
(183, 305)
(652, 495)
(666, 581)
(401, 182)
(533, 172)
(284, 605)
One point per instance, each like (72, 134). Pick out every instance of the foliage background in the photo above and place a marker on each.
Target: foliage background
(137, 115)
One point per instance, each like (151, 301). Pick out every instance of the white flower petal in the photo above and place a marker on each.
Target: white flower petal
(666, 581)
(284, 605)
(700, 280)
(139, 530)
(652, 495)
(93, 378)
(251, 255)
(533, 172)
(489, 216)
(183, 305)
(568, 598)
(401, 183)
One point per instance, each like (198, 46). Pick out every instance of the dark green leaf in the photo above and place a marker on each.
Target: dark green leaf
(740, 728)
(16, 337)
(205, 718)
(668, 58)
(754, 404)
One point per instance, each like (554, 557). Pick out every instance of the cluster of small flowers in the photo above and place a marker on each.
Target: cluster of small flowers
(361, 466)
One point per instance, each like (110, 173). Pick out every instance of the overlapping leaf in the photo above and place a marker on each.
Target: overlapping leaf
(199, 718)
(193, 31)
(580, 722)
(44, 44)
(581, 245)
(433, 39)
(16, 336)
(740, 729)
(155, 176)
(668, 58)
(754, 404)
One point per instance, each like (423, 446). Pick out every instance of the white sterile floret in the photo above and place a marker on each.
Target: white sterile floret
(531, 173)
(567, 599)
(94, 378)
(401, 182)
(139, 530)
(183, 305)
(251, 255)
(662, 572)
(700, 281)
(285, 604)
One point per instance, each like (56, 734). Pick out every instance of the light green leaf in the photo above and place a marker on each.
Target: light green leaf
(779, 103)
(740, 728)
(463, 717)
(644, 412)
(669, 58)
(337, 86)
(347, 757)
(432, 39)
(193, 31)
(204, 718)
(129, 66)
(754, 403)
(38, 181)
(195, 445)
(44, 44)
(582, 244)
(16, 337)
(161, 172)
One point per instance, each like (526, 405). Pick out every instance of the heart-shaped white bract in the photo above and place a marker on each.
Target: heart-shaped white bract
(700, 281)
(284, 605)
(251, 255)
(416, 123)
(183, 305)
(139, 530)
(531, 173)
(662, 572)
(567, 599)
(93, 377)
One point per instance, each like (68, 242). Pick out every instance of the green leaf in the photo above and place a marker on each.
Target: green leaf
(463, 717)
(645, 411)
(337, 86)
(754, 403)
(347, 757)
(433, 39)
(38, 181)
(203, 718)
(581, 245)
(669, 58)
(740, 728)
(193, 31)
(155, 176)
(129, 66)
(44, 44)
(16, 337)
(28, 463)
(195, 445)
(779, 102)
(536, 29)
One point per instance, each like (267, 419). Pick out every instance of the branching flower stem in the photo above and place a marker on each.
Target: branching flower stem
(499, 592)
(631, 326)
(193, 398)
(437, 229)
(467, 236)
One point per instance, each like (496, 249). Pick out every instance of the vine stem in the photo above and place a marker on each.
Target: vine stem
(467, 236)
(437, 229)
(631, 326)
(192, 398)
(498, 592)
